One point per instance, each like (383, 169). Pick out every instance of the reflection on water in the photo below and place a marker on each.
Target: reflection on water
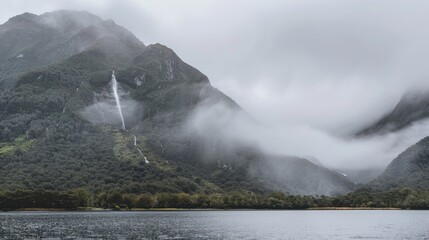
(216, 225)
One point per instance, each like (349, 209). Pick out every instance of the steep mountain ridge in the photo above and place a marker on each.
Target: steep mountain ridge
(30, 41)
(50, 140)
(412, 107)
(409, 169)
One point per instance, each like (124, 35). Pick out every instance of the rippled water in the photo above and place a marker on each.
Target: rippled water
(216, 225)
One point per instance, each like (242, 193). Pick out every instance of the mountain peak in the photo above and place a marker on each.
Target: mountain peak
(69, 21)
(57, 18)
(30, 41)
(412, 107)
(71, 15)
(25, 17)
(66, 12)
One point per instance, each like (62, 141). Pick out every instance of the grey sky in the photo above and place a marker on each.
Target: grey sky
(331, 66)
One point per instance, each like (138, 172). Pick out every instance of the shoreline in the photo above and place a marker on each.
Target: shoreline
(194, 209)
(353, 208)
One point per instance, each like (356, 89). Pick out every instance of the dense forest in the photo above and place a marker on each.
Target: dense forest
(404, 198)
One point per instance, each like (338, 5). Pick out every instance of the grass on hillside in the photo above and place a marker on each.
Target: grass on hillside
(20, 143)
(125, 150)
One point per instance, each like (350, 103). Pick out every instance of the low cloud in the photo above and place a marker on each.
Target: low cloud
(106, 112)
(220, 122)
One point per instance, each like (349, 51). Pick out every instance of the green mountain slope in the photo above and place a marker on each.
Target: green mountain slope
(60, 128)
(409, 169)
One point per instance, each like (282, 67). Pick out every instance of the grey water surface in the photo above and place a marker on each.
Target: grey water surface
(354, 224)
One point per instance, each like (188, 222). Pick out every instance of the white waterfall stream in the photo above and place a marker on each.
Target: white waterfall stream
(138, 149)
(118, 103)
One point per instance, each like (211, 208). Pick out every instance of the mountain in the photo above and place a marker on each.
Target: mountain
(60, 126)
(409, 169)
(30, 41)
(412, 107)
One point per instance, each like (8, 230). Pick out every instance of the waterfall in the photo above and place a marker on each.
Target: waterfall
(138, 149)
(118, 103)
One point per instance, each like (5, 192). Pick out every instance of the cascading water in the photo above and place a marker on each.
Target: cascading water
(118, 103)
(138, 149)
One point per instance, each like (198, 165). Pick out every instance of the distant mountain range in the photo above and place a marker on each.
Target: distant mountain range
(411, 167)
(60, 129)
(412, 107)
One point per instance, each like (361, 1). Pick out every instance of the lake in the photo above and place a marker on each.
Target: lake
(324, 224)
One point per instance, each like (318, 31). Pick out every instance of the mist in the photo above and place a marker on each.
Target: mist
(106, 112)
(219, 121)
(311, 74)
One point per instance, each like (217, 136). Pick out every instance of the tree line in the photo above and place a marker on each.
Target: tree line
(404, 198)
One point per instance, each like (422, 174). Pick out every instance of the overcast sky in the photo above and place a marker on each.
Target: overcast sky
(334, 66)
